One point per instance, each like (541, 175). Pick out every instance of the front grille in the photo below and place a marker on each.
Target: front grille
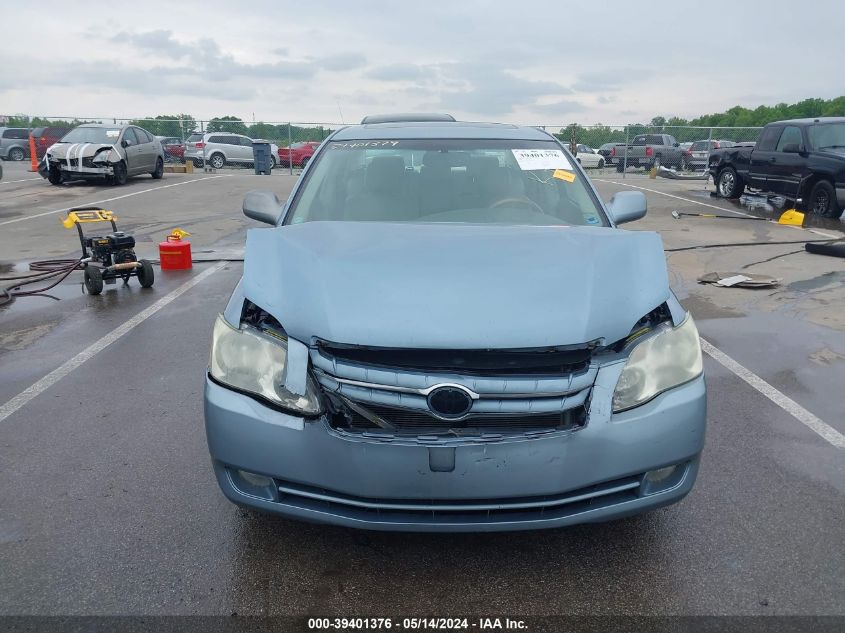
(514, 392)
(542, 361)
(413, 423)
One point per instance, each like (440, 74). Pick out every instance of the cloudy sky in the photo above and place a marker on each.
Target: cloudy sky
(530, 62)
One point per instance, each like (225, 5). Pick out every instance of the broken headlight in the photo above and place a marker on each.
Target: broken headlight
(253, 362)
(660, 362)
(102, 156)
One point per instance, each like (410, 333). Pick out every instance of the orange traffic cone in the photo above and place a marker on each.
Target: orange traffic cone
(32, 157)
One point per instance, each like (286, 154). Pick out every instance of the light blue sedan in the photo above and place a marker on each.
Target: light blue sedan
(443, 329)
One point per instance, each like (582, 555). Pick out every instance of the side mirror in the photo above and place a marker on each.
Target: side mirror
(627, 206)
(792, 148)
(263, 206)
(124, 143)
(677, 145)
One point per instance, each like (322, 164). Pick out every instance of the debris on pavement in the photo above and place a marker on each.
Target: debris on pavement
(665, 172)
(740, 280)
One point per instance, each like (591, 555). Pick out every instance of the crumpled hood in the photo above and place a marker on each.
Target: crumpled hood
(74, 151)
(454, 286)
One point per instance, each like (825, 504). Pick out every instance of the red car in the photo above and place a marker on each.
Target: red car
(45, 137)
(298, 153)
(174, 148)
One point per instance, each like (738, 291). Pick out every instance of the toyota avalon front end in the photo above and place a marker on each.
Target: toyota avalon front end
(445, 331)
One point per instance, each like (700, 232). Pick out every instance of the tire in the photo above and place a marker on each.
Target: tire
(217, 161)
(601, 164)
(682, 163)
(620, 167)
(823, 200)
(655, 164)
(120, 174)
(93, 280)
(197, 162)
(55, 176)
(159, 170)
(146, 275)
(273, 162)
(833, 249)
(729, 184)
(305, 161)
(16, 154)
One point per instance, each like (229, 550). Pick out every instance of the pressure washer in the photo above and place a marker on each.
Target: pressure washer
(107, 258)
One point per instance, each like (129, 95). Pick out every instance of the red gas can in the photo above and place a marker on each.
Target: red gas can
(175, 253)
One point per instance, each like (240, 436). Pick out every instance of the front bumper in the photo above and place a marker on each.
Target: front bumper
(75, 169)
(323, 475)
(93, 172)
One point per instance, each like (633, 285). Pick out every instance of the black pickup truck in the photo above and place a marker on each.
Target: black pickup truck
(802, 160)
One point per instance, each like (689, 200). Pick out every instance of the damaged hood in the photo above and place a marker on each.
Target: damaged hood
(75, 151)
(454, 286)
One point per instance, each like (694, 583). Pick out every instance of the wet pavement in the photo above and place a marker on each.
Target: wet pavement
(109, 506)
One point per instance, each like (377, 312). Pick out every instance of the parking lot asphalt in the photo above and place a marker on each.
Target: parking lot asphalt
(108, 504)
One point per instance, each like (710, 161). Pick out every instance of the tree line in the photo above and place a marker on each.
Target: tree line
(745, 123)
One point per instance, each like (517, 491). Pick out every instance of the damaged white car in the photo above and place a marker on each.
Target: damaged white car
(97, 150)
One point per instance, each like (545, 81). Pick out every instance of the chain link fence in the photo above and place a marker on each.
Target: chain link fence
(641, 147)
(211, 143)
(227, 141)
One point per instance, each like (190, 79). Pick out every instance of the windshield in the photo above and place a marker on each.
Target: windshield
(827, 136)
(92, 135)
(446, 180)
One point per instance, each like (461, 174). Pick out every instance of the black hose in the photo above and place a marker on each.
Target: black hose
(692, 248)
(60, 269)
(45, 270)
(51, 265)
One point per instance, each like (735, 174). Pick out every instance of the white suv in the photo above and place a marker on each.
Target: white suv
(223, 148)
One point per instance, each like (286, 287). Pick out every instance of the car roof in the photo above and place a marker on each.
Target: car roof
(108, 125)
(810, 121)
(440, 129)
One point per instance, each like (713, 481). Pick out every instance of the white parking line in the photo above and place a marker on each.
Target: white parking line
(95, 348)
(827, 432)
(709, 206)
(9, 182)
(127, 195)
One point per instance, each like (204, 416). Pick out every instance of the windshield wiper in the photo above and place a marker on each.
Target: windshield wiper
(831, 146)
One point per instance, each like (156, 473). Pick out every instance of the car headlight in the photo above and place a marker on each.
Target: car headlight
(660, 362)
(253, 361)
(103, 156)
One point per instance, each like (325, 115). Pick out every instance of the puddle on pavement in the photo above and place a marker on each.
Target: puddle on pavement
(821, 281)
(68, 288)
(703, 308)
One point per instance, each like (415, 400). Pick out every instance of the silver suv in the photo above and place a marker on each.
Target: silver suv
(223, 148)
(14, 143)
(700, 151)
